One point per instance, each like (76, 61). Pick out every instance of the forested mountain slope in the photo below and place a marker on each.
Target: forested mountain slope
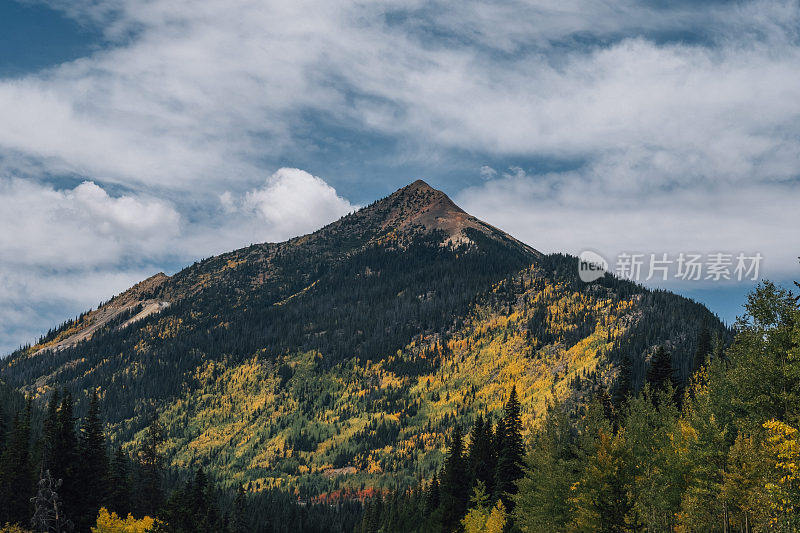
(343, 357)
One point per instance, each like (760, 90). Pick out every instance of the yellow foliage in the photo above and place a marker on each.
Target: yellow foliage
(8, 528)
(782, 446)
(482, 520)
(111, 523)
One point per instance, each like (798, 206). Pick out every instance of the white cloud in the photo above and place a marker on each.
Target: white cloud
(80, 227)
(293, 202)
(202, 94)
(558, 213)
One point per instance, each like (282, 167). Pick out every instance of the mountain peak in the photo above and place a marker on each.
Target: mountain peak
(418, 206)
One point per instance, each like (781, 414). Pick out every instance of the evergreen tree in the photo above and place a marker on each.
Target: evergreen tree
(240, 518)
(510, 454)
(119, 497)
(480, 453)
(94, 466)
(50, 432)
(150, 464)
(624, 386)
(432, 497)
(543, 501)
(660, 372)
(16, 476)
(455, 484)
(65, 458)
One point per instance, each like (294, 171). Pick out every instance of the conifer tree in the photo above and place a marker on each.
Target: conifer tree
(510, 454)
(624, 386)
(660, 372)
(480, 453)
(455, 484)
(552, 467)
(240, 511)
(16, 477)
(150, 492)
(432, 497)
(94, 466)
(65, 457)
(50, 432)
(119, 498)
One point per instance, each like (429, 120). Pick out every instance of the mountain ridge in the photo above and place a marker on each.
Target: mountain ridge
(345, 356)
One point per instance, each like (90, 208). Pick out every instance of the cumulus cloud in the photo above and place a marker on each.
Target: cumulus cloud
(293, 202)
(80, 227)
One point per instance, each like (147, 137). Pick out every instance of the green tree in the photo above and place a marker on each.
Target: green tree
(652, 435)
(660, 372)
(65, 458)
(511, 454)
(150, 468)
(455, 484)
(94, 466)
(542, 503)
(119, 496)
(602, 501)
(16, 476)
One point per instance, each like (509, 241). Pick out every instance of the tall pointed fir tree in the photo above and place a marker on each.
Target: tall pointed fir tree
(480, 452)
(455, 484)
(119, 496)
(624, 386)
(660, 371)
(149, 490)
(16, 476)
(510, 454)
(65, 458)
(240, 519)
(94, 466)
(432, 497)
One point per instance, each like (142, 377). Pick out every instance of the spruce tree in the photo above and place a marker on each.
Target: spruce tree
(119, 497)
(240, 519)
(50, 432)
(624, 386)
(16, 477)
(455, 484)
(432, 497)
(150, 492)
(94, 467)
(660, 372)
(480, 453)
(510, 455)
(65, 458)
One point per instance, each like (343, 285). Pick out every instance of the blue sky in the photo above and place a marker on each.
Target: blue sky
(140, 135)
